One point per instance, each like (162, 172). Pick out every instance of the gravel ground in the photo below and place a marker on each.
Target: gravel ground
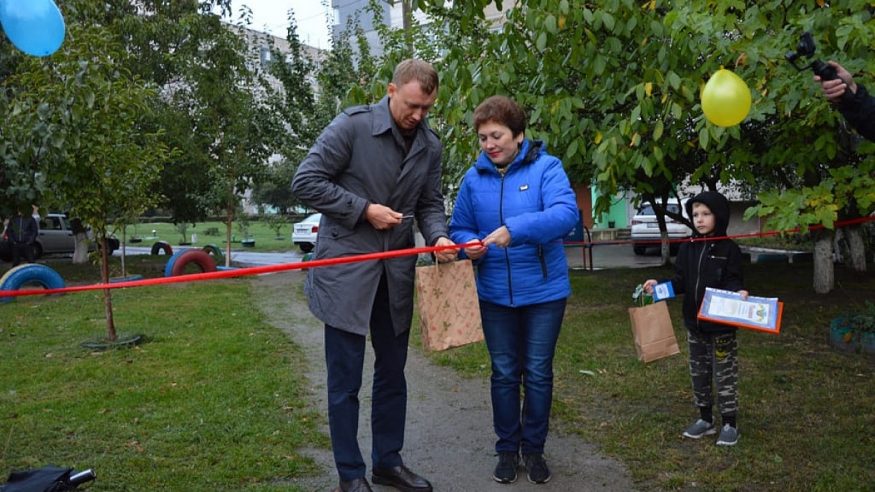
(449, 437)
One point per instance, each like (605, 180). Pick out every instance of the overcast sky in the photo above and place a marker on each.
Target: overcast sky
(271, 16)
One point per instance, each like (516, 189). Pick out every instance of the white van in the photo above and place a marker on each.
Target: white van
(645, 229)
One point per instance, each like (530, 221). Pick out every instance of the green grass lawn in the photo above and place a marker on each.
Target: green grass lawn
(211, 402)
(266, 239)
(806, 411)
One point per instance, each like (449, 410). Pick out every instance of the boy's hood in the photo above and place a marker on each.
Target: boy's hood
(719, 206)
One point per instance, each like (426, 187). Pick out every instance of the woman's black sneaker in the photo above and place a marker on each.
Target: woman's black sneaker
(506, 469)
(536, 468)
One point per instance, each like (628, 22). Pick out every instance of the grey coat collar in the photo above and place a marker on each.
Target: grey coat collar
(383, 122)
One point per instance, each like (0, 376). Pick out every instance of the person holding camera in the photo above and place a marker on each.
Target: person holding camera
(859, 109)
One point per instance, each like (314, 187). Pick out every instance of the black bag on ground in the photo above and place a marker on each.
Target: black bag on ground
(45, 479)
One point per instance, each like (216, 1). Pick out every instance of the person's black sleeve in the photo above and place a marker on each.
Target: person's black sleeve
(32, 231)
(679, 281)
(860, 112)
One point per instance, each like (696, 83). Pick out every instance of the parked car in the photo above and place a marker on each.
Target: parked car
(56, 237)
(304, 233)
(645, 228)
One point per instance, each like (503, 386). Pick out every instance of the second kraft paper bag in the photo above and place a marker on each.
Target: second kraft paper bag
(654, 335)
(449, 310)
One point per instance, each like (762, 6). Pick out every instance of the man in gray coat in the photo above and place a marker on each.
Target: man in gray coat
(372, 171)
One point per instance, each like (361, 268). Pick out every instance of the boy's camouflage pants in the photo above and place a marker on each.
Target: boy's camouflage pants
(714, 356)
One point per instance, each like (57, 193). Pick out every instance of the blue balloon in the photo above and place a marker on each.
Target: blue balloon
(36, 27)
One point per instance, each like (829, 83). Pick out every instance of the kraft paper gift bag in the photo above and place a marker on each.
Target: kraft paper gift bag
(449, 310)
(654, 335)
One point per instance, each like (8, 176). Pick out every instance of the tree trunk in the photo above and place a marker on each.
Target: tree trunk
(665, 250)
(856, 257)
(228, 225)
(80, 248)
(824, 274)
(107, 293)
(124, 240)
(407, 23)
(664, 245)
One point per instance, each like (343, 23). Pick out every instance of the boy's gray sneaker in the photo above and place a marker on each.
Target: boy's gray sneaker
(536, 468)
(728, 436)
(700, 428)
(506, 469)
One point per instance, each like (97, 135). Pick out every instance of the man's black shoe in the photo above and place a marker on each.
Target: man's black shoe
(401, 478)
(355, 485)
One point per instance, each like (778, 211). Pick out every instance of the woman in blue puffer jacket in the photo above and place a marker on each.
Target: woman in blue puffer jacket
(518, 201)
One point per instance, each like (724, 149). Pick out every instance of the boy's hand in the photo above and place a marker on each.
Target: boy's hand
(743, 294)
(648, 285)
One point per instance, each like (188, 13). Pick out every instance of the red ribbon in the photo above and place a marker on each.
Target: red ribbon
(242, 272)
(239, 272)
(838, 224)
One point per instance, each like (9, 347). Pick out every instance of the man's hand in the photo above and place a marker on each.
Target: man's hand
(833, 89)
(447, 254)
(499, 237)
(382, 217)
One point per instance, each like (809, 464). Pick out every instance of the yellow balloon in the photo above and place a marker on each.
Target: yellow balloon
(725, 99)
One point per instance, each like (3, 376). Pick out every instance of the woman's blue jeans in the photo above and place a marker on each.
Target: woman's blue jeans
(521, 343)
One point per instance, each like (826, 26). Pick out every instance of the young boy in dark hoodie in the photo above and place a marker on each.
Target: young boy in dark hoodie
(706, 262)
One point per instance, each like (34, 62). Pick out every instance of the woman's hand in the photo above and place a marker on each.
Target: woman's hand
(475, 252)
(648, 285)
(743, 294)
(499, 237)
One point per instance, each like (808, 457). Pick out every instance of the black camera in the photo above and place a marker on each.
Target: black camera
(805, 48)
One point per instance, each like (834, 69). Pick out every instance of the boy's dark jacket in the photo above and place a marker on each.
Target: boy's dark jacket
(707, 263)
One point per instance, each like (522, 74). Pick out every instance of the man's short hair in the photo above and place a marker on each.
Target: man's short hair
(502, 110)
(418, 70)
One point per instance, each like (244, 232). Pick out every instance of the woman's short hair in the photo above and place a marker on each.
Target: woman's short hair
(502, 110)
(418, 70)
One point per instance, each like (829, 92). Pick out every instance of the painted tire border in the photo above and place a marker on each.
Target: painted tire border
(162, 246)
(30, 272)
(168, 268)
(176, 265)
(214, 250)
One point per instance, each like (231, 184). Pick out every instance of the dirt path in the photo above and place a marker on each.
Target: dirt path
(449, 436)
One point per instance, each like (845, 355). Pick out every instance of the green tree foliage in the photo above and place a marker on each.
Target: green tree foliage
(214, 101)
(180, 31)
(230, 106)
(295, 105)
(613, 88)
(27, 137)
(98, 162)
(341, 74)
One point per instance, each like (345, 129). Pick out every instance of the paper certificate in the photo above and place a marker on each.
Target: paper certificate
(755, 313)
